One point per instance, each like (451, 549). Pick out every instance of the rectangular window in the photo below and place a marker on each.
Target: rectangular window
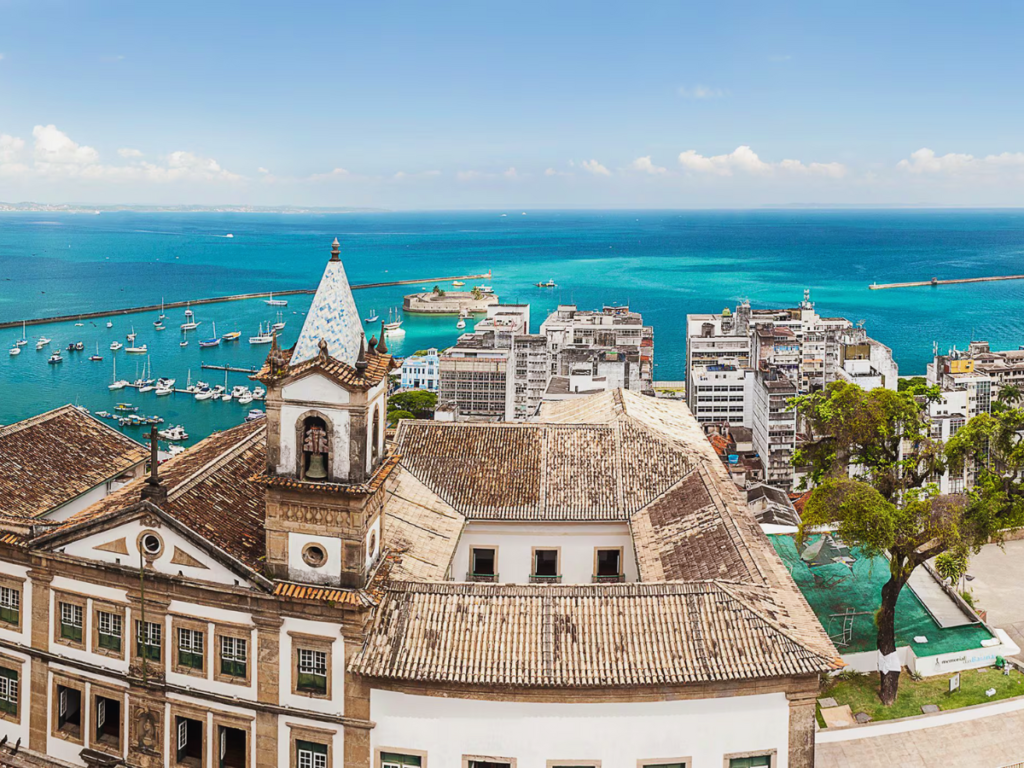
(108, 721)
(758, 761)
(148, 640)
(109, 631)
(397, 760)
(69, 710)
(545, 564)
(312, 677)
(609, 564)
(309, 754)
(484, 564)
(10, 605)
(189, 737)
(9, 690)
(71, 622)
(485, 763)
(190, 648)
(233, 652)
(232, 748)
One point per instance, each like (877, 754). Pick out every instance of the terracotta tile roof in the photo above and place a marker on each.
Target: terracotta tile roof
(577, 636)
(50, 459)
(321, 594)
(377, 368)
(209, 491)
(540, 471)
(421, 528)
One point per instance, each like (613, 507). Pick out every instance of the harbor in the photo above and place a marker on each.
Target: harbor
(936, 282)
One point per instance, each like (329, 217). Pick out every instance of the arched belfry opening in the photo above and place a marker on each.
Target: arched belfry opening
(314, 458)
(375, 451)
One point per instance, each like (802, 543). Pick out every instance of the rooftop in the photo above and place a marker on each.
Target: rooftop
(50, 459)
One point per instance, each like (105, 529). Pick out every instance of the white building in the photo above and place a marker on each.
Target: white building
(422, 371)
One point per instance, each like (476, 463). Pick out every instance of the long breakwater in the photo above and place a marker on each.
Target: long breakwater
(219, 299)
(936, 281)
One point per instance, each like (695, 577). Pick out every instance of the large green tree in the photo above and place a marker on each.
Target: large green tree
(873, 466)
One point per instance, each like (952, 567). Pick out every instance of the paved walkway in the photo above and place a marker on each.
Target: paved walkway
(998, 587)
(988, 742)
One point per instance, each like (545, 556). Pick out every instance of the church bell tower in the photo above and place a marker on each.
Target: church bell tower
(326, 469)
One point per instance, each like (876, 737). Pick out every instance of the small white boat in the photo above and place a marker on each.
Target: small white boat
(240, 390)
(228, 235)
(279, 324)
(457, 283)
(258, 393)
(190, 323)
(109, 324)
(549, 284)
(116, 345)
(146, 388)
(204, 395)
(165, 382)
(262, 337)
(55, 358)
(485, 289)
(163, 391)
(245, 399)
(141, 350)
(372, 318)
(174, 450)
(254, 414)
(174, 433)
(184, 340)
(394, 322)
(272, 302)
(162, 315)
(15, 350)
(42, 342)
(131, 336)
(461, 324)
(22, 341)
(213, 341)
(231, 336)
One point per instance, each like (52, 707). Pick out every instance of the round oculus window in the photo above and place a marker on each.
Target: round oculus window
(151, 544)
(314, 555)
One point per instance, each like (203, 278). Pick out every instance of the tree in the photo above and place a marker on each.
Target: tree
(477, 293)
(396, 416)
(873, 462)
(1010, 395)
(419, 402)
(438, 292)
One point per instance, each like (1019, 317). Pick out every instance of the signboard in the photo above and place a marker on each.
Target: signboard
(954, 683)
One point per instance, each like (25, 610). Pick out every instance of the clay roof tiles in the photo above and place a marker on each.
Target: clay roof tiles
(50, 459)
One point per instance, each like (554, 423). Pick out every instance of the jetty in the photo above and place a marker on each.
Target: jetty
(935, 281)
(229, 368)
(218, 299)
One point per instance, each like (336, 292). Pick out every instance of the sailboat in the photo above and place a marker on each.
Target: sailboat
(15, 350)
(22, 341)
(372, 318)
(162, 315)
(184, 340)
(190, 323)
(393, 327)
(213, 341)
(110, 324)
(115, 383)
(97, 357)
(226, 397)
(272, 302)
(279, 324)
(262, 337)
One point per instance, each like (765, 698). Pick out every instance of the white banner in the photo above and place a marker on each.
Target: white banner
(888, 663)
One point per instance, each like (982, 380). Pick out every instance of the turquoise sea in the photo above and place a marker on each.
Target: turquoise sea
(663, 263)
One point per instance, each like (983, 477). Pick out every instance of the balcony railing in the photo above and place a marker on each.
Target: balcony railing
(536, 578)
(485, 577)
(618, 578)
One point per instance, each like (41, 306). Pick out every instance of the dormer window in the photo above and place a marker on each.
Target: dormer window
(608, 565)
(483, 564)
(315, 449)
(545, 567)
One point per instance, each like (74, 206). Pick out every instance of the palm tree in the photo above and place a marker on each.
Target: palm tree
(1010, 394)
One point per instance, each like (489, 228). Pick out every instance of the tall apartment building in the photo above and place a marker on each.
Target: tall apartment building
(733, 357)
(774, 424)
(501, 371)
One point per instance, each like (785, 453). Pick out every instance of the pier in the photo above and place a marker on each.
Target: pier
(936, 281)
(219, 299)
(229, 368)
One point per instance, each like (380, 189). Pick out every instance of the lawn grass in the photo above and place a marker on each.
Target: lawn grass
(861, 692)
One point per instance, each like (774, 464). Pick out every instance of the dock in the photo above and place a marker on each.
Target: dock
(218, 299)
(229, 368)
(935, 281)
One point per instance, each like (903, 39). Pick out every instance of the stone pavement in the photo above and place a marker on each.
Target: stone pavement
(988, 742)
(998, 587)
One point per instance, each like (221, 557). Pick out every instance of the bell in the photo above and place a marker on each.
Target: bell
(317, 470)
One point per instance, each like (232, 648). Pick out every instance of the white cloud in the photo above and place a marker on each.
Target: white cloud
(400, 175)
(925, 161)
(261, 169)
(337, 173)
(53, 147)
(56, 156)
(744, 160)
(129, 153)
(645, 165)
(595, 168)
(553, 172)
(10, 148)
(511, 173)
(701, 92)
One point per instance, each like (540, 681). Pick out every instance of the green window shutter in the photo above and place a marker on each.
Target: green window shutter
(393, 758)
(759, 761)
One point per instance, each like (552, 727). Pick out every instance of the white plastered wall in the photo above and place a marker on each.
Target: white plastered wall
(315, 393)
(618, 735)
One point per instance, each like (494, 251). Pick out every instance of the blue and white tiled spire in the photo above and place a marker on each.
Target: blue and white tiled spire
(332, 317)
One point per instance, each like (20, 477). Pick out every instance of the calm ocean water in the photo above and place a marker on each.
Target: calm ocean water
(664, 264)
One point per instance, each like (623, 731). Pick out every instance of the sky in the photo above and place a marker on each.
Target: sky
(413, 105)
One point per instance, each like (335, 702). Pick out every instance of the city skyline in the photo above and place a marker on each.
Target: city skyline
(464, 106)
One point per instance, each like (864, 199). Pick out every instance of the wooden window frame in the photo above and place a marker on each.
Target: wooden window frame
(179, 623)
(534, 578)
(17, 666)
(238, 632)
(97, 692)
(771, 754)
(238, 722)
(471, 575)
(60, 681)
(620, 577)
(17, 585)
(574, 763)
(304, 642)
(139, 629)
(177, 710)
(686, 762)
(378, 755)
(99, 607)
(70, 598)
(299, 733)
(490, 759)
